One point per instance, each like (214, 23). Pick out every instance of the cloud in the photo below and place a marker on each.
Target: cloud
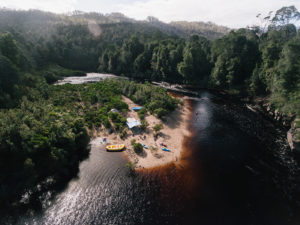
(58, 6)
(232, 13)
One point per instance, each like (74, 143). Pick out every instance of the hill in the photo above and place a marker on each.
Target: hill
(42, 23)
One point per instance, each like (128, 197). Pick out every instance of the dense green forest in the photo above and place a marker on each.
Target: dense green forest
(44, 128)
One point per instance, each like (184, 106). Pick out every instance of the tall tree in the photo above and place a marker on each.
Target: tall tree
(195, 65)
(235, 57)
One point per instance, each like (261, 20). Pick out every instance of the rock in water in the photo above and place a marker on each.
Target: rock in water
(293, 138)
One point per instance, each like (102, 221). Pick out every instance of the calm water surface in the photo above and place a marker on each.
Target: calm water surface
(213, 183)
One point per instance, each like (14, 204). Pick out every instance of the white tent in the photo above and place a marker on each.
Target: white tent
(131, 123)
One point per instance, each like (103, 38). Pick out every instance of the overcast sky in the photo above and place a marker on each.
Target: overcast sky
(232, 13)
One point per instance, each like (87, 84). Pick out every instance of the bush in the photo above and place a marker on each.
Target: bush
(138, 148)
(142, 113)
(144, 125)
(133, 141)
(105, 121)
(130, 166)
(118, 120)
(158, 127)
(154, 99)
(123, 133)
(160, 112)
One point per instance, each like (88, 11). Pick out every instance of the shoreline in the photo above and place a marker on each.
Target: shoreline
(172, 135)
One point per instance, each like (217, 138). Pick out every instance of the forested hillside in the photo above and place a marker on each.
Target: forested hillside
(37, 48)
(246, 61)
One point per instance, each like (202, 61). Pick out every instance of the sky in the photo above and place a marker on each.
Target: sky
(231, 13)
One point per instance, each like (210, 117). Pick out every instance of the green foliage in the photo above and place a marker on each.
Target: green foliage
(285, 15)
(158, 127)
(142, 113)
(9, 77)
(45, 135)
(144, 125)
(118, 120)
(8, 47)
(132, 141)
(154, 99)
(52, 73)
(285, 84)
(235, 57)
(160, 112)
(123, 133)
(36, 143)
(196, 65)
(130, 166)
(43, 127)
(138, 148)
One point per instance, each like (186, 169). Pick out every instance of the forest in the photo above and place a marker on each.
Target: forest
(44, 128)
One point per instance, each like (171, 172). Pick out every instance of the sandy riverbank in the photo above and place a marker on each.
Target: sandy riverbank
(172, 134)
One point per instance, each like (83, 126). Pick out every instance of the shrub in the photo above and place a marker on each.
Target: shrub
(105, 121)
(158, 127)
(118, 120)
(151, 97)
(144, 125)
(123, 133)
(142, 113)
(130, 166)
(160, 112)
(138, 148)
(133, 141)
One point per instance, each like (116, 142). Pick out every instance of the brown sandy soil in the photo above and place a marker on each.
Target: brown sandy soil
(173, 132)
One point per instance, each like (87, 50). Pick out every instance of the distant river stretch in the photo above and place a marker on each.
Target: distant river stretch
(223, 178)
(90, 77)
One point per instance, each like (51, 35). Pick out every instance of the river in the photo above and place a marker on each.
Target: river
(226, 176)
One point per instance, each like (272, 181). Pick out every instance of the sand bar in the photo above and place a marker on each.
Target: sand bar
(172, 135)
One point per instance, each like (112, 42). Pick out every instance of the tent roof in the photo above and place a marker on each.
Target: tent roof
(131, 122)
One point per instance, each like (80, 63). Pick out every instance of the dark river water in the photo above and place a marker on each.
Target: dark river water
(225, 176)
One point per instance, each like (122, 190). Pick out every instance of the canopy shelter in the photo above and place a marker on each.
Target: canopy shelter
(131, 123)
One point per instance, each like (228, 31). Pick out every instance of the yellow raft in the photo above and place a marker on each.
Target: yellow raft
(115, 148)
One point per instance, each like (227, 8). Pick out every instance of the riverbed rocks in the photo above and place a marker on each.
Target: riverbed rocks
(293, 136)
(271, 112)
(264, 107)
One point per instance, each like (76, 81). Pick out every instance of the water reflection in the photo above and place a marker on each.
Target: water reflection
(105, 193)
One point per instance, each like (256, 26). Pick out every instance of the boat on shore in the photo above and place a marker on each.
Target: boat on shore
(137, 108)
(166, 150)
(115, 148)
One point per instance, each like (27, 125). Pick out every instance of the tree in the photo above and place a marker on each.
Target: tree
(285, 15)
(289, 67)
(9, 74)
(138, 148)
(195, 66)
(8, 47)
(129, 52)
(235, 57)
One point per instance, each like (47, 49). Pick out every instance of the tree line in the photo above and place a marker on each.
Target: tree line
(44, 127)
